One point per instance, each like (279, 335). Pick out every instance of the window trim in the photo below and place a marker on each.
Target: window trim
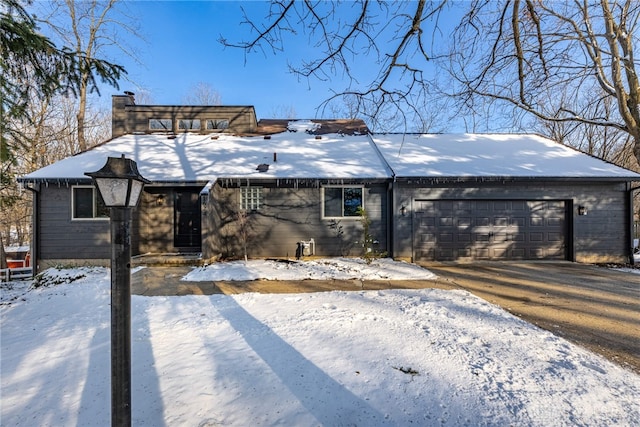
(94, 199)
(243, 203)
(322, 204)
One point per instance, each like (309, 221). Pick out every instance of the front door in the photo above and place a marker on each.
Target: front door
(186, 220)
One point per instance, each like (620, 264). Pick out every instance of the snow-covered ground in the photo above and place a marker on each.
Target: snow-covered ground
(326, 268)
(363, 358)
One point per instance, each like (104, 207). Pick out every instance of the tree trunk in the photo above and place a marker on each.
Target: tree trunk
(3, 254)
(82, 108)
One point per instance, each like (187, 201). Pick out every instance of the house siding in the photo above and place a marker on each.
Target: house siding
(286, 217)
(600, 236)
(66, 241)
(63, 239)
(129, 117)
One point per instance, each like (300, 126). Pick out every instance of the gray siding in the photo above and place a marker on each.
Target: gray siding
(600, 236)
(286, 217)
(63, 238)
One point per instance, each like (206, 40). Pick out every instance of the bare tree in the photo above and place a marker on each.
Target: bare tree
(282, 112)
(90, 28)
(395, 38)
(552, 60)
(202, 93)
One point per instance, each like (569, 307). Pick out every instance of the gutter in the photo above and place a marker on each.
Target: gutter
(391, 198)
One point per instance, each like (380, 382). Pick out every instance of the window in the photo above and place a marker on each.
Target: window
(214, 124)
(189, 124)
(160, 124)
(250, 198)
(341, 201)
(86, 203)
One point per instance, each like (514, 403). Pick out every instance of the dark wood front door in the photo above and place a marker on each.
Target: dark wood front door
(186, 220)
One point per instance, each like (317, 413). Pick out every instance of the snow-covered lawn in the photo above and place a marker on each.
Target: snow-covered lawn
(363, 358)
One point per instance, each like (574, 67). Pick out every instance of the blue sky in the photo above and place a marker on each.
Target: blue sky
(181, 48)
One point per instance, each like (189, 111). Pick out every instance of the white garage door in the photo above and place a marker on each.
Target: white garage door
(489, 229)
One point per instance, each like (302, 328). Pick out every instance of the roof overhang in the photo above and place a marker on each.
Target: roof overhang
(505, 179)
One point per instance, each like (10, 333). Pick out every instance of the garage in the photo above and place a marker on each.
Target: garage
(446, 230)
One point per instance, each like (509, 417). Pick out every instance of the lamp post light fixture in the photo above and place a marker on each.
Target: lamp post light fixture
(120, 185)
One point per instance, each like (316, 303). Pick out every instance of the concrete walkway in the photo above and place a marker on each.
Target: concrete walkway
(157, 281)
(595, 307)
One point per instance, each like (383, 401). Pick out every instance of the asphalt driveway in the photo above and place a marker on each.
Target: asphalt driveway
(596, 307)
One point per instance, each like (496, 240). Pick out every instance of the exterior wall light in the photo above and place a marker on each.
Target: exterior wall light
(582, 210)
(403, 210)
(119, 182)
(120, 185)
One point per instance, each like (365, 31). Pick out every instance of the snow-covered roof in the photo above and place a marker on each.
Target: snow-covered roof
(490, 155)
(199, 158)
(300, 155)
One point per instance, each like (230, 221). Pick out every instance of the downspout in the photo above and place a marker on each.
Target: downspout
(35, 229)
(391, 198)
(631, 223)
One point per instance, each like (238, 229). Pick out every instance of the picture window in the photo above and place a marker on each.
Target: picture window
(339, 202)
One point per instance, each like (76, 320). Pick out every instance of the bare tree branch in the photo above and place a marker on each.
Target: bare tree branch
(391, 36)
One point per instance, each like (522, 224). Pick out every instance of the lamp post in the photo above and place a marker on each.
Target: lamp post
(120, 185)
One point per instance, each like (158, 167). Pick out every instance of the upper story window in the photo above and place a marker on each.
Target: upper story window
(213, 124)
(250, 198)
(185, 124)
(86, 203)
(160, 124)
(339, 202)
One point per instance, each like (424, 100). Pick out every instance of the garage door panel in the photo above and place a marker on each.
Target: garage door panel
(427, 221)
(490, 229)
(517, 237)
(464, 222)
(482, 237)
(446, 221)
(445, 237)
(427, 237)
(555, 222)
(555, 237)
(464, 237)
(483, 221)
(536, 236)
(500, 222)
(535, 221)
(518, 253)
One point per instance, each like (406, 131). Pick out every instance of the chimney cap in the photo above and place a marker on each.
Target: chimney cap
(128, 93)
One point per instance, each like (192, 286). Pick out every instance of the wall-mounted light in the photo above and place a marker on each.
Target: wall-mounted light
(403, 210)
(582, 210)
(160, 200)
